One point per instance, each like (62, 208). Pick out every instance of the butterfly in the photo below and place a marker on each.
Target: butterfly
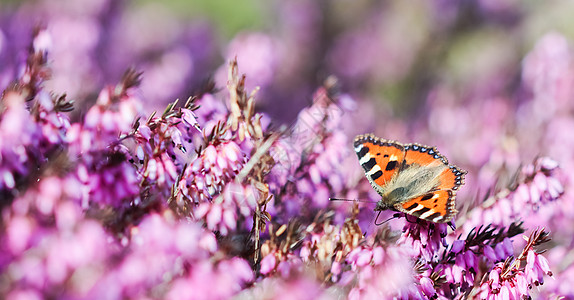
(410, 178)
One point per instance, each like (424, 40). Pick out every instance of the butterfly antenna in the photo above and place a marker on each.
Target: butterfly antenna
(395, 216)
(352, 200)
(378, 218)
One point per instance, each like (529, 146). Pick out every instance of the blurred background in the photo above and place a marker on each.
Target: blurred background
(445, 73)
(487, 82)
(389, 52)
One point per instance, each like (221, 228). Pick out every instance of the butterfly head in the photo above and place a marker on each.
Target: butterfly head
(383, 205)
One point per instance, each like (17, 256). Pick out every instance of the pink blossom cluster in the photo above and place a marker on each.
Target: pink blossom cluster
(126, 192)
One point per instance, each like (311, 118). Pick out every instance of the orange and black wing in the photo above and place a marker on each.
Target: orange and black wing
(435, 206)
(438, 205)
(450, 179)
(381, 159)
(423, 155)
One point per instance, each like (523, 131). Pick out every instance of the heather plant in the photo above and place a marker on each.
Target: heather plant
(212, 197)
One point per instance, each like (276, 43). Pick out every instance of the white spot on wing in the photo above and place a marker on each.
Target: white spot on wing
(419, 207)
(365, 158)
(374, 170)
(437, 219)
(427, 214)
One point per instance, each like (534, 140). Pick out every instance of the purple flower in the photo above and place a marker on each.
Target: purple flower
(312, 162)
(538, 184)
(104, 199)
(510, 278)
(425, 238)
(207, 174)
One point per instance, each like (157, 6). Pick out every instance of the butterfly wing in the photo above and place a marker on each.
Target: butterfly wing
(451, 178)
(438, 205)
(435, 206)
(381, 159)
(423, 155)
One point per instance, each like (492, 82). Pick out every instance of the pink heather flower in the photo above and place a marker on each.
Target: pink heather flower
(425, 238)
(113, 115)
(454, 265)
(388, 279)
(24, 294)
(427, 287)
(536, 268)
(303, 286)
(336, 269)
(31, 119)
(162, 143)
(24, 219)
(207, 175)
(223, 212)
(53, 261)
(229, 276)
(18, 132)
(268, 264)
(103, 205)
(19, 234)
(161, 170)
(211, 112)
(113, 184)
(313, 162)
(161, 248)
(510, 278)
(497, 288)
(539, 185)
(189, 118)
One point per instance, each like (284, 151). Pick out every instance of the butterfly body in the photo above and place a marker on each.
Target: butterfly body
(410, 178)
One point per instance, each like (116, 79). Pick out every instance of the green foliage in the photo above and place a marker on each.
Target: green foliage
(229, 16)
